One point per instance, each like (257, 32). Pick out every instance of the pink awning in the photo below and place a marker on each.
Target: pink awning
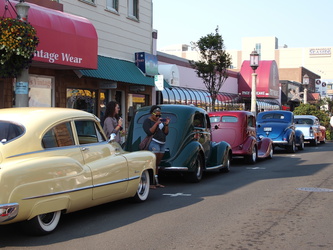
(267, 79)
(66, 40)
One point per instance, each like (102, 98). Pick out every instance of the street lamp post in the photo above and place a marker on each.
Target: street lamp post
(306, 84)
(22, 80)
(254, 63)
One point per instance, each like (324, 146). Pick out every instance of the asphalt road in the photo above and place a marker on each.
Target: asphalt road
(282, 203)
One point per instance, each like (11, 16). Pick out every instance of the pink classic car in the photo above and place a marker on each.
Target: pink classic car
(238, 128)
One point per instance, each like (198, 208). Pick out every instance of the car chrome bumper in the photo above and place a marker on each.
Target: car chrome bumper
(173, 168)
(8, 211)
(280, 142)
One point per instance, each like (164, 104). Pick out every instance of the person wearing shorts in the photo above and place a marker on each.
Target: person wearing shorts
(153, 125)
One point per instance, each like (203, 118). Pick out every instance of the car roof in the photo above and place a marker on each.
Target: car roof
(306, 116)
(238, 113)
(28, 116)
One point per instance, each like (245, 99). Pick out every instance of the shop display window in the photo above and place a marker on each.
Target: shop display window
(41, 91)
(83, 99)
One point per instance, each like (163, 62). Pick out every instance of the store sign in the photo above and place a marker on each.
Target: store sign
(158, 79)
(58, 58)
(147, 63)
(106, 85)
(320, 52)
(64, 39)
(321, 86)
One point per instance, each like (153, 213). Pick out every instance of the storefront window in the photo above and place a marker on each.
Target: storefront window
(40, 91)
(83, 99)
(135, 102)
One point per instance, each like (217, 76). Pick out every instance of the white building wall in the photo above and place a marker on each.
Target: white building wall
(319, 60)
(267, 47)
(118, 35)
(189, 79)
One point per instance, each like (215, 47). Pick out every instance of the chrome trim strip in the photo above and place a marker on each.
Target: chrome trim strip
(82, 188)
(174, 168)
(44, 150)
(214, 167)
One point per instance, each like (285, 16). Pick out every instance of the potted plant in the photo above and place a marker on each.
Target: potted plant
(18, 43)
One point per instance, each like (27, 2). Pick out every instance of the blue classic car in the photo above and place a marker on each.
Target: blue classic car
(279, 126)
(189, 149)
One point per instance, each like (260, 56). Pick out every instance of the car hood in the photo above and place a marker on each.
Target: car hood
(277, 129)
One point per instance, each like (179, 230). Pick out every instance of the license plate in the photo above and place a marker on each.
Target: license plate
(268, 129)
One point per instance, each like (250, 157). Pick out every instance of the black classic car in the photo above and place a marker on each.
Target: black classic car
(189, 148)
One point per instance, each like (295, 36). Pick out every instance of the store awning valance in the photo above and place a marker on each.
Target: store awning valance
(66, 41)
(199, 97)
(120, 71)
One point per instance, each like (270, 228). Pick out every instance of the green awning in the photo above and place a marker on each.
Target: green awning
(119, 71)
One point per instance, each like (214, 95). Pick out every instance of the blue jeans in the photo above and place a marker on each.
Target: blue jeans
(156, 147)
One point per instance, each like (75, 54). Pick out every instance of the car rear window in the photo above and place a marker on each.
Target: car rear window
(214, 119)
(229, 119)
(9, 131)
(273, 116)
(304, 121)
(59, 136)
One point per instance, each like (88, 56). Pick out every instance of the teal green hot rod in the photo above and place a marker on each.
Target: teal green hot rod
(189, 149)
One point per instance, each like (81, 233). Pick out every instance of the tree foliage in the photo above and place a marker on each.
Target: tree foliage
(213, 63)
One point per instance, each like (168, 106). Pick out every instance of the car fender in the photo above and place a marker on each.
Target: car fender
(289, 134)
(186, 156)
(264, 146)
(249, 143)
(50, 205)
(220, 151)
(39, 179)
(298, 134)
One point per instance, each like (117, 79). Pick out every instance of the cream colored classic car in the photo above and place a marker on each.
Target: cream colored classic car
(58, 160)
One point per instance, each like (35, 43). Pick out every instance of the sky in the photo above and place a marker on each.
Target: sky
(296, 23)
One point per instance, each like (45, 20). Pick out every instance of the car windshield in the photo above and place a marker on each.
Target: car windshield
(9, 131)
(304, 121)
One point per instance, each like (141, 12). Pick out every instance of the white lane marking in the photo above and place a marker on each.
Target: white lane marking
(255, 168)
(177, 194)
(313, 189)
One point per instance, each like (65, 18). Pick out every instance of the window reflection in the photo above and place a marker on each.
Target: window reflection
(82, 99)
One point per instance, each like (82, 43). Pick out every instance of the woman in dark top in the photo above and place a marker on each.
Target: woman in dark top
(154, 126)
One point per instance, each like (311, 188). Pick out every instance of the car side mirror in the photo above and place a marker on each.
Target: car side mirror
(216, 127)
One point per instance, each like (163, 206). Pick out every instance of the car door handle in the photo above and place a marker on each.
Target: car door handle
(84, 149)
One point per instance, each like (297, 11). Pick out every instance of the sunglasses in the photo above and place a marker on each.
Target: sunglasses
(157, 115)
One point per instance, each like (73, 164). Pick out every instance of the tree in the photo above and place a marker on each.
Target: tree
(213, 63)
